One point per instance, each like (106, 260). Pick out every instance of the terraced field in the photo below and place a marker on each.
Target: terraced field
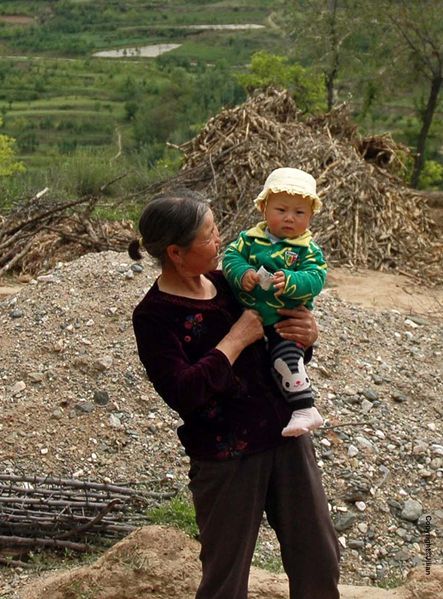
(55, 95)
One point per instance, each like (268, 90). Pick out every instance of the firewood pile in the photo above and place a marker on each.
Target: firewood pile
(39, 233)
(59, 513)
(370, 218)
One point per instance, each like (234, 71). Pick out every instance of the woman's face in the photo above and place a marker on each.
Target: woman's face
(203, 253)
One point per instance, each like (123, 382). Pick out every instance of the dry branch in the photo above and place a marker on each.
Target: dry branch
(47, 511)
(40, 233)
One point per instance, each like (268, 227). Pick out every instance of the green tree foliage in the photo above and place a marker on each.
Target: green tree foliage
(417, 35)
(318, 30)
(381, 56)
(9, 165)
(306, 85)
(431, 175)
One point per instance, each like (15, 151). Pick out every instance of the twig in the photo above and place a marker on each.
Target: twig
(342, 424)
(69, 482)
(14, 563)
(88, 525)
(16, 258)
(30, 542)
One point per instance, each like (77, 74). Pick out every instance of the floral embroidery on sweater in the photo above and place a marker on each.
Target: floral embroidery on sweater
(230, 447)
(193, 324)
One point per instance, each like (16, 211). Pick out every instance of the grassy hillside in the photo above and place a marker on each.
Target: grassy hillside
(56, 97)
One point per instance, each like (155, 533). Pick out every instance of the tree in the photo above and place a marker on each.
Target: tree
(268, 69)
(9, 165)
(418, 27)
(318, 29)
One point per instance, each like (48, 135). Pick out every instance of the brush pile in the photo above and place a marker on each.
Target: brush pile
(39, 233)
(370, 218)
(60, 513)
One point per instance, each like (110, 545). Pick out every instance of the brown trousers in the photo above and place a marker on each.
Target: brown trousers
(230, 498)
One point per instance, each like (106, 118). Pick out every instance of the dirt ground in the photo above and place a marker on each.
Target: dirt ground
(162, 563)
(151, 562)
(385, 291)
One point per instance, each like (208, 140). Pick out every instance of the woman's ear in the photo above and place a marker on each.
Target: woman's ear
(174, 253)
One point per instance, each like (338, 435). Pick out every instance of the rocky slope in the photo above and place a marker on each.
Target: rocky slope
(75, 402)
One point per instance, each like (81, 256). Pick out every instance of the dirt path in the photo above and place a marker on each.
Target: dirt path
(381, 291)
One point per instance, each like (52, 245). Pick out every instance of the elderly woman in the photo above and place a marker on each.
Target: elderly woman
(207, 359)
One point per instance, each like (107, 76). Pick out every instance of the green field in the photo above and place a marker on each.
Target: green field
(55, 95)
(57, 98)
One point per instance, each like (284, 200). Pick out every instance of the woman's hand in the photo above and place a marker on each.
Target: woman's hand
(247, 329)
(299, 325)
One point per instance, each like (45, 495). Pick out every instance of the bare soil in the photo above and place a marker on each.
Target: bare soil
(163, 564)
(384, 291)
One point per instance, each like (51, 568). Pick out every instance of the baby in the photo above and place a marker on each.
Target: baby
(276, 264)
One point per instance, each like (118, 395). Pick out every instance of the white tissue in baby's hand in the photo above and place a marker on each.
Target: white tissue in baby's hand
(265, 278)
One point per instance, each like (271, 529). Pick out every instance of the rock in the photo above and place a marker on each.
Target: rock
(398, 397)
(344, 521)
(437, 449)
(114, 421)
(417, 320)
(36, 377)
(411, 511)
(370, 394)
(356, 544)
(356, 492)
(50, 278)
(352, 451)
(420, 447)
(366, 406)
(365, 443)
(410, 323)
(136, 267)
(104, 362)
(101, 397)
(84, 407)
(362, 527)
(18, 388)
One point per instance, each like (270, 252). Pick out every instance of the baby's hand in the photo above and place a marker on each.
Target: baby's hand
(279, 281)
(249, 280)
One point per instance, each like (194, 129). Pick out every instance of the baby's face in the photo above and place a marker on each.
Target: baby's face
(287, 215)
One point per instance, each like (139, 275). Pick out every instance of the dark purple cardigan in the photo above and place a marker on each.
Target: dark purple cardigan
(227, 411)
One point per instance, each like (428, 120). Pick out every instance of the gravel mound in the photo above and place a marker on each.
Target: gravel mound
(75, 402)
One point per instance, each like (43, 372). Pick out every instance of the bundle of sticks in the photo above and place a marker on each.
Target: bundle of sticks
(39, 233)
(61, 513)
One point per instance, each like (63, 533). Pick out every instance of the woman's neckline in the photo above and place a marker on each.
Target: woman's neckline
(211, 288)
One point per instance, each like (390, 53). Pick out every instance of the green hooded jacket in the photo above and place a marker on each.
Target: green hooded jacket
(300, 259)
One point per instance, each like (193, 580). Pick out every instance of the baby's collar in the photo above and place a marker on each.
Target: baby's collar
(259, 232)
